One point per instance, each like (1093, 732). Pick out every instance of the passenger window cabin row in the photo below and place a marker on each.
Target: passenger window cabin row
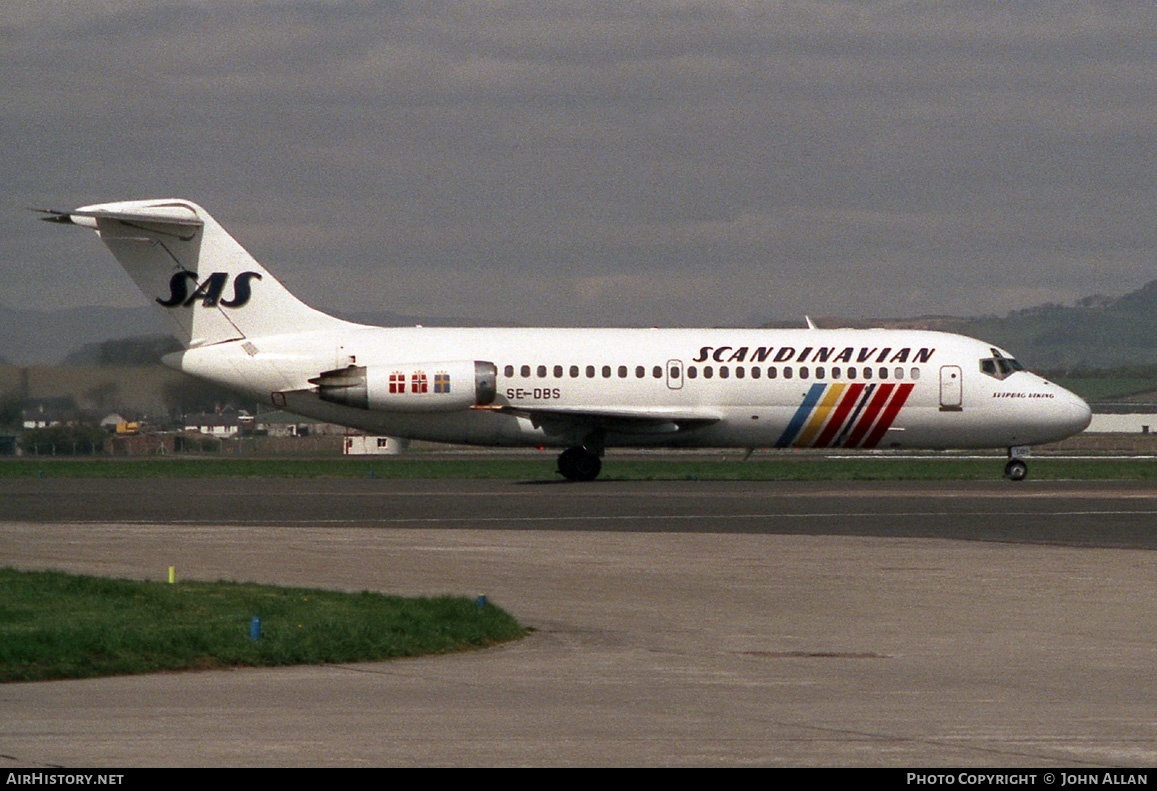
(807, 372)
(575, 371)
(710, 372)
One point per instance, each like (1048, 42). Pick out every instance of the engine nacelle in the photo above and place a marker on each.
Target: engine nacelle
(411, 387)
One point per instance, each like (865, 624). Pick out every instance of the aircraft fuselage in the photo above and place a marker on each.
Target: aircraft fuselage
(580, 389)
(842, 388)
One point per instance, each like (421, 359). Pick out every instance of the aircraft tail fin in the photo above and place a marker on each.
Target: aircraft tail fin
(208, 284)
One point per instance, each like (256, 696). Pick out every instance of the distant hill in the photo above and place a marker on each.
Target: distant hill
(384, 318)
(37, 337)
(137, 350)
(1097, 332)
(47, 337)
(1121, 332)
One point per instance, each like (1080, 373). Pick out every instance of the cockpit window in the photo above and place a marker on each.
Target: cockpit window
(998, 366)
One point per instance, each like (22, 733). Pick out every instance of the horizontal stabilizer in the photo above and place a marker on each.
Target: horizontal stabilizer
(164, 214)
(54, 215)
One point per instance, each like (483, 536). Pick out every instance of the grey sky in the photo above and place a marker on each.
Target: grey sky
(634, 163)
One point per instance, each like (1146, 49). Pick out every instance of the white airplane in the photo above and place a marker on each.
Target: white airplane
(582, 390)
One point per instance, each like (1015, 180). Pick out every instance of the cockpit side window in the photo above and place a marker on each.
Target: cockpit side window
(998, 366)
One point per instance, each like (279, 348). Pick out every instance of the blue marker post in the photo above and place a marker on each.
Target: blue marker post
(255, 628)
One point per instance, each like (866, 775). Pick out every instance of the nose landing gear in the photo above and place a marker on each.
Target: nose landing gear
(1016, 469)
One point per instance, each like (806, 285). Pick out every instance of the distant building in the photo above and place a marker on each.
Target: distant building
(1133, 423)
(374, 446)
(280, 423)
(1124, 417)
(220, 424)
(110, 421)
(48, 412)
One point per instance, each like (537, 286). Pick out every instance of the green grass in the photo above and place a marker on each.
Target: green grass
(880, 469)
(540, 468)
(1102, 388)
(55, 626)
(499, 468)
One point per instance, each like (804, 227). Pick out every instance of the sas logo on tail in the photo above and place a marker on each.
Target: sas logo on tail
(209, 290)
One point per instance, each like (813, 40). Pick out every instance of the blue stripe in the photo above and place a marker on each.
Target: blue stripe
(800, 417)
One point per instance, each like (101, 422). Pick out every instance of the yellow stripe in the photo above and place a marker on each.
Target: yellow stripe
(812, 429)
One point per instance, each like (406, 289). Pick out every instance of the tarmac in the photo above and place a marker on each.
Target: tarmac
(675, 623)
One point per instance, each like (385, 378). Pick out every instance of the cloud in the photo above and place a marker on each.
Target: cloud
(702, 161)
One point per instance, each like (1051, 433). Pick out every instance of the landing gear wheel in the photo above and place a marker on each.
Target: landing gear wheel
(579, 464)
(1015, 470)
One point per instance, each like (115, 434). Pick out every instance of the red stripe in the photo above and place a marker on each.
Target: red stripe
(889, 415)
(879, 398)
(840, 415)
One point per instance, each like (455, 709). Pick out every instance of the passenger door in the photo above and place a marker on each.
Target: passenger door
(951, 389)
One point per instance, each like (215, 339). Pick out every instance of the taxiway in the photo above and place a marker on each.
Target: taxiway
(676, 623)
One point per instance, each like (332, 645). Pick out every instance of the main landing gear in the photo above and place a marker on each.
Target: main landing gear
(1016, 469)
(579, 464)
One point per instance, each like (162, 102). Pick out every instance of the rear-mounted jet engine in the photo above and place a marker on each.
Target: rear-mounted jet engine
(410, 387)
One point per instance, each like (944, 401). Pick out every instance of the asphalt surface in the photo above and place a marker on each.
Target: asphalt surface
(1086, 513)
(676, 623)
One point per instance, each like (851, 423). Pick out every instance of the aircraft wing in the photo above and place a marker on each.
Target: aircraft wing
(622, 420)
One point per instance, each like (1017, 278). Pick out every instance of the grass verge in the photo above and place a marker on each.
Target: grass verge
(779, 468)
(881, 469)
(55, 626)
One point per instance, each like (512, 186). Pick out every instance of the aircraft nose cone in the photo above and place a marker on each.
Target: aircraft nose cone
(1062, 415)
(1069, 414)
(1078, 413)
